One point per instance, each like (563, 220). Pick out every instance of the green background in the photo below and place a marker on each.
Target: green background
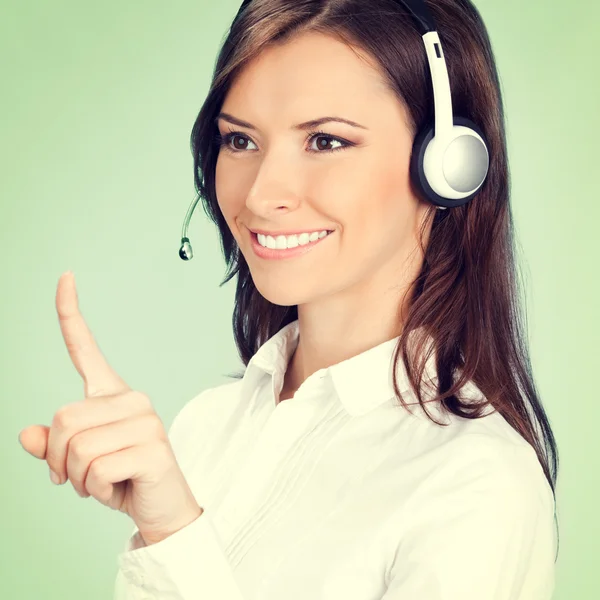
(97, 104)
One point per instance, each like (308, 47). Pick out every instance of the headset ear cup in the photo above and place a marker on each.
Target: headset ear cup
(417, 172)
(464, 122)
(468, 123)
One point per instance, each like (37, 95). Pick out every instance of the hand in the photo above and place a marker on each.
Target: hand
(112, 445)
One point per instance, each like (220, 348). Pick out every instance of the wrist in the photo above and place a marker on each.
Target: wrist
(148, 538)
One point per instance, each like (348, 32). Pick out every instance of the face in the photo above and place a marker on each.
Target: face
(351, 180)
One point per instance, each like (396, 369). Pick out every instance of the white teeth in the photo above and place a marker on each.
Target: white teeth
(281, 242)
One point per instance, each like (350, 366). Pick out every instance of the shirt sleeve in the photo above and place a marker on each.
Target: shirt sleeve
(483, 533)
(188, 565)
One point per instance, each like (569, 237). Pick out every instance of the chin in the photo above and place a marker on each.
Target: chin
(281, 294)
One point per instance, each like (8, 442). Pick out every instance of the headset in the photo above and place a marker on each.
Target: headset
(450, 156)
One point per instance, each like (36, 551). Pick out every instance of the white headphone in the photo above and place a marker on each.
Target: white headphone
(450, 157)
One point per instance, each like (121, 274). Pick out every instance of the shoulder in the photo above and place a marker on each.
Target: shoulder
(484, 464)
(485, 456)
(480, 497)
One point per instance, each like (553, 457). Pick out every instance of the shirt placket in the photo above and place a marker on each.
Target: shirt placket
(287, 423)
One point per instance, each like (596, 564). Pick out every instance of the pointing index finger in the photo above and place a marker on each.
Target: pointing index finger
(98, 376)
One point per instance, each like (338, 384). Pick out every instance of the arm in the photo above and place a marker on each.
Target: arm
(486, 534)
(190, 564)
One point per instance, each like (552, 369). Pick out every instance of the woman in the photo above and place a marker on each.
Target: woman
(344, 492)
(386, 440)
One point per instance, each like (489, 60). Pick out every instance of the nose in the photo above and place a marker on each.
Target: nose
(268, 205)
(273, 190)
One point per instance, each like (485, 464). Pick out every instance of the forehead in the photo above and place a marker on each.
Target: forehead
(311, 72)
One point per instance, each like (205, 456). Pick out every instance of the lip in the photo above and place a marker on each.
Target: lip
(277, 254)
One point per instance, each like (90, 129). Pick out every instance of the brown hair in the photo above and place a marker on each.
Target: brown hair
(467, 295)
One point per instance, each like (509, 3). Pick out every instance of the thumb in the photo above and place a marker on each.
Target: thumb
(34, 440)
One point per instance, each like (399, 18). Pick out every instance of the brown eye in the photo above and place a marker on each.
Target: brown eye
(324, 141)
(241, 146)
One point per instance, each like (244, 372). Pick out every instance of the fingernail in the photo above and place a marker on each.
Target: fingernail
(54, 477)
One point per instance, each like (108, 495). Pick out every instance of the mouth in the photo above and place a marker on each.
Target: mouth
(279, 253)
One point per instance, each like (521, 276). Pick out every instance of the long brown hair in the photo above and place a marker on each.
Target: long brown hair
(467, 296)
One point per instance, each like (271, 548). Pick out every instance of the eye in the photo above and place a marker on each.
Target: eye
(224, 141)
(323, 136)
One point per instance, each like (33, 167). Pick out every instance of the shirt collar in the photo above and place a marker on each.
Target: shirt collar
(362, 382)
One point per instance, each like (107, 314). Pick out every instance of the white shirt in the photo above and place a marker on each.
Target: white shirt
(339, 493)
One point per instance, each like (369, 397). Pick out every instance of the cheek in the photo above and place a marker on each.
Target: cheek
(374, 194)
(228, 194)
(376, 210)
(393, 203)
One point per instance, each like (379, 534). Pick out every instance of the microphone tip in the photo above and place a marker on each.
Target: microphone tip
(185, 252)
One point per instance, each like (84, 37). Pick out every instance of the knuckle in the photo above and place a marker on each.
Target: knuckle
(78, 487)
(155, 425)
(77, 447)
(140, 399)
(96, 470)
(62, 417)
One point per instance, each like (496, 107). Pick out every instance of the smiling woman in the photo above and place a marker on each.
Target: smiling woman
(386, 431)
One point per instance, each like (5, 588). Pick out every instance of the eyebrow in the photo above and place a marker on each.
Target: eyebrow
(300, 127)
